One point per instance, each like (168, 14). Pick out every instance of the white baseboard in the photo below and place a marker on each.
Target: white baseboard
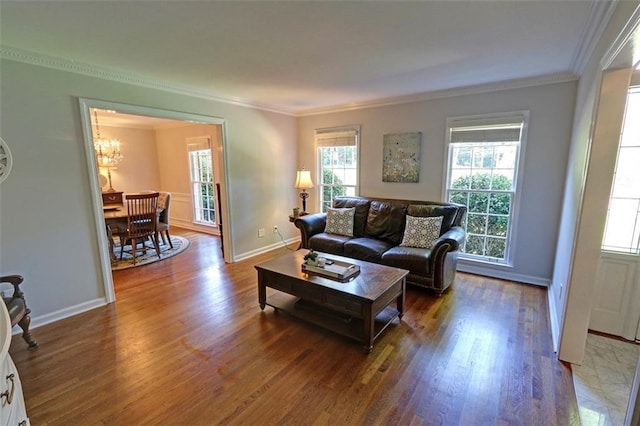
(38, 321)
(185, 224)
(266, 249)
(553, 320)
(502, 274)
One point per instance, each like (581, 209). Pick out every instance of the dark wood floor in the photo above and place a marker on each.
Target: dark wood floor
(186, 343)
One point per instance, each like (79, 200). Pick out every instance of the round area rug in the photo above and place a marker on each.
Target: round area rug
(180, 244)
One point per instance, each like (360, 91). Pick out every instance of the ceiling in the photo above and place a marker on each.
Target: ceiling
(302, 56)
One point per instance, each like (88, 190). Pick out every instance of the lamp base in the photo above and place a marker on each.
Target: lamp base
(304, 195)
(111, 190)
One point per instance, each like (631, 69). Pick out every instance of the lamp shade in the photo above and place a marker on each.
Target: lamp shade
(303, 179)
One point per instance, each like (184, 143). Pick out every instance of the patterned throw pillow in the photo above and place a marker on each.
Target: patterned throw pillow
(421, 232)
(340, 221)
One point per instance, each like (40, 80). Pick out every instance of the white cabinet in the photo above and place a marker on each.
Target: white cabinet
(12, 408)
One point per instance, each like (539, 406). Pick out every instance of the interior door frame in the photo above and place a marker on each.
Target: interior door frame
(96, 191)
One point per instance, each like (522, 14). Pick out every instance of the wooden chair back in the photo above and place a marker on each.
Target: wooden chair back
(142, 211)
(164, 202)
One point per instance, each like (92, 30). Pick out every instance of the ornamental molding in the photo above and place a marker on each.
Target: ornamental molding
(6, 161)
(520, 83)
(599, 17)
(38, 59)
(18, 55)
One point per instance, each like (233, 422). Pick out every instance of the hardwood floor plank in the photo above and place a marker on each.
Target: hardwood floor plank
(186, 343)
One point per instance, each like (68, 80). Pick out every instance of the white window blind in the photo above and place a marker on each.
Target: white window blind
(326, 138)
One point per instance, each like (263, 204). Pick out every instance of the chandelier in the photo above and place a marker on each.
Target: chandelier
(108, 153)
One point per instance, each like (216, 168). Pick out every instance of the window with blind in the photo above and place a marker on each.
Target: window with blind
(201, 173)
(482, 174)
(338, 163)
(622, 230)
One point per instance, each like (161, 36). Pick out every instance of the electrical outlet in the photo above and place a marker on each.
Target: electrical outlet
(275, 229)
(261, 232)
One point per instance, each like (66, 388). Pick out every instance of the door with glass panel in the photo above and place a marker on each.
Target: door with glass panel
(616, 307)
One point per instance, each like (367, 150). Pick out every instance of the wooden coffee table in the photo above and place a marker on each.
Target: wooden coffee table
(359, 308)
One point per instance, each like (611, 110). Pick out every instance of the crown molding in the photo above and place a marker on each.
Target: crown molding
(37, 59)
(621, 41)
(19, 55)
(599, 16)
(561, 77)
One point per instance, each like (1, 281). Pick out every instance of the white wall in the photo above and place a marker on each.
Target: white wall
(173, 162)
(46, 216)
(572, 286)
(138, 170)
(551, 115)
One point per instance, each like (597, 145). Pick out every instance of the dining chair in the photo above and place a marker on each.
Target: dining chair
(142, 224)
(164, 201)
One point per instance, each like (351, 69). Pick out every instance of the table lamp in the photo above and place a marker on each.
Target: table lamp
(108, 153)
(303, 181)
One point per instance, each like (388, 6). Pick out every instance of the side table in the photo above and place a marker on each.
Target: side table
(293, 218)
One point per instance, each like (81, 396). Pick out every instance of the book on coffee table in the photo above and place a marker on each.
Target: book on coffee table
(337, 269)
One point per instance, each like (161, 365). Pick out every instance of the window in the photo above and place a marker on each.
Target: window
(482, 173)
(201, 171)
(622, 229)
(338, 163)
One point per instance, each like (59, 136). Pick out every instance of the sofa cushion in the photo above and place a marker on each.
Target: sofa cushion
(421, 232)
(386, 221)
(368, 249)
(328, 243)
(416, 260)
(360, 216)
(448, 213)
(340, 221)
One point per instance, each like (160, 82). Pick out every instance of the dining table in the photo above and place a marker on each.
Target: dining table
(115, 215)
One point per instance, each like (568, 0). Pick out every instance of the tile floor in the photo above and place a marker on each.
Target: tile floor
(603, 381)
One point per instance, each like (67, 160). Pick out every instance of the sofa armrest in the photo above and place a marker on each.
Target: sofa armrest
(310, 225)
(454, 238)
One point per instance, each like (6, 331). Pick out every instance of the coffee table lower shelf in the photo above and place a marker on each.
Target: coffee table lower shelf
(332, 320)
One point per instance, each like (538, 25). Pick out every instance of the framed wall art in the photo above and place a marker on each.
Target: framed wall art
(401, 157)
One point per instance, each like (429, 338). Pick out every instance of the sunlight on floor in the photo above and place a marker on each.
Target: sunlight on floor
(603, 381)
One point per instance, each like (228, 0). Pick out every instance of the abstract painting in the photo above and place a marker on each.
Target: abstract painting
(401, 157)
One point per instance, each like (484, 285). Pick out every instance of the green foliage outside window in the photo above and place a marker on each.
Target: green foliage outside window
(487, 220)
(331, 188)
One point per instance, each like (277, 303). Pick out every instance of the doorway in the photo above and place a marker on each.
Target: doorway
(86, 106)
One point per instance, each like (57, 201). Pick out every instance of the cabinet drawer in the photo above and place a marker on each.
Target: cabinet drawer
(111, 198)
(304, 291)
(339, 304)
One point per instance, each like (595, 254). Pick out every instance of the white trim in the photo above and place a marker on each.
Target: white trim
(599, 17)
(266, 249)
(520, 83)
(515, 207)
(337, 130)
(621, 41)
(66, 313)
(553, 321)
(19, 55)
(185, 224)
(485, 269)
(96, 192)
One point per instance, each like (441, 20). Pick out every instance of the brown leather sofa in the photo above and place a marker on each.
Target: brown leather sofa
(378, 230)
